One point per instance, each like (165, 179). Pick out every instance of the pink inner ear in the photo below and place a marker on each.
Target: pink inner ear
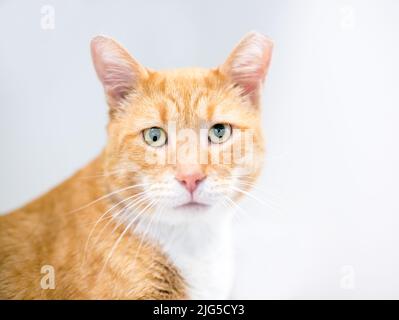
(249, 80)
(118, 80)
(248, 64)
(114, 67)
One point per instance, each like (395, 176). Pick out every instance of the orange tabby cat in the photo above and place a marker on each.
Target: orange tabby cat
(150, 217)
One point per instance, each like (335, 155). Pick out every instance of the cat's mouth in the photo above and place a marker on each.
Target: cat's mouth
(194, 205)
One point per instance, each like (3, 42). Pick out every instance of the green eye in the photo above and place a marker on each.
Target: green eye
(219, 133)
(155, 137)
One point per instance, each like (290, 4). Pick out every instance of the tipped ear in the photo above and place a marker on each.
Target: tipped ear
(248, 64)
(117, 70)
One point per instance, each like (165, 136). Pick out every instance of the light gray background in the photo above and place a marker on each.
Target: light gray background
(330, 114)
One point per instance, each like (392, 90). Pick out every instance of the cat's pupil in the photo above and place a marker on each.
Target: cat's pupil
(219, 130)
(155, 134)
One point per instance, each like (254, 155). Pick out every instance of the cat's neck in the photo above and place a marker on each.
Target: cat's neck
(201, 251)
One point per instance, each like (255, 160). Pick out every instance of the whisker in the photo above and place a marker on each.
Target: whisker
(105, 174)
(124, 232)
(275, 208)
(108, 195)
(252, 183)
(131, 205)
(143, 237)
(228, 206)
(237, 207)
(247, 194)
(106, 212)
(271, 202)
(234, 204)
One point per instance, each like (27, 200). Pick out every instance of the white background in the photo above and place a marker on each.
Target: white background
(330, 113)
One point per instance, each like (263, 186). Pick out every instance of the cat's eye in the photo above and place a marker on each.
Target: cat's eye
(219, 133)
(155, 137)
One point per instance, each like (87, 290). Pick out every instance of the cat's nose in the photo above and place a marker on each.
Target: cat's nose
(190, 180)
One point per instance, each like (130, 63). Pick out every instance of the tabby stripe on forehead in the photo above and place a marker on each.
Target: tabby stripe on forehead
(163, 112)
(210, 111)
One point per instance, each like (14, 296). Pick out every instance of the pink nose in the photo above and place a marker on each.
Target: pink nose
(190, 181)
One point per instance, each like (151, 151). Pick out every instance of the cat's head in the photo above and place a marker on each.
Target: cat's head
(183, 141)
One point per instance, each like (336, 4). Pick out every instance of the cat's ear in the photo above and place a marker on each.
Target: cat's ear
(248, 64)
(117, 70)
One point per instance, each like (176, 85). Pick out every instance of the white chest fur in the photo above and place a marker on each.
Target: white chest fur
(202, 252)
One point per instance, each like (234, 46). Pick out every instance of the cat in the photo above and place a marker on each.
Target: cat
(148, 218)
